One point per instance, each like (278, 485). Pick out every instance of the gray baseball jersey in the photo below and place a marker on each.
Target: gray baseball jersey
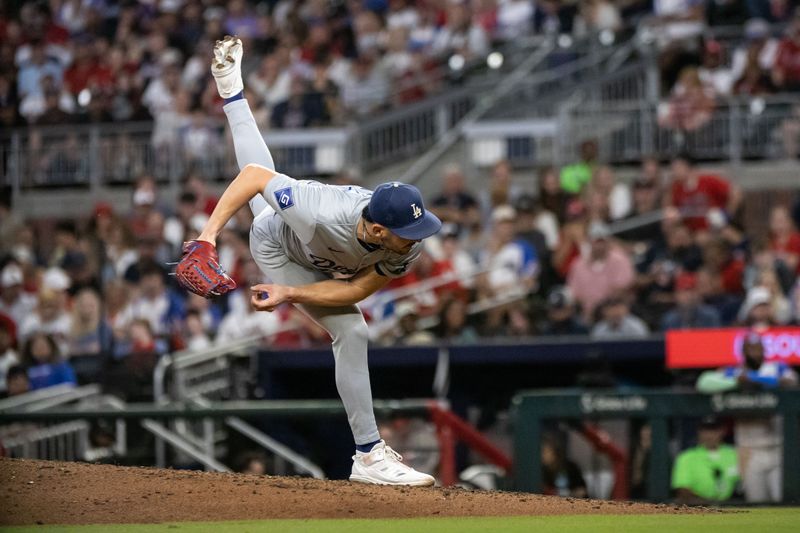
(316, 226)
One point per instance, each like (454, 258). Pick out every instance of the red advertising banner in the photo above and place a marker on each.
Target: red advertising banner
(706, 348)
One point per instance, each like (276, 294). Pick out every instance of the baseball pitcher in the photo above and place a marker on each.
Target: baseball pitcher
(302, 235)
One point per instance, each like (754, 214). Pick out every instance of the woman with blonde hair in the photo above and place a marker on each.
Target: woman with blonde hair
(691, 103)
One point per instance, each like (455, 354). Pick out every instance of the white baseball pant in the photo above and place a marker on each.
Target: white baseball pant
(346, 325)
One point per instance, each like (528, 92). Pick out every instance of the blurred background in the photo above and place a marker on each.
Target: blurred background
(620, 186)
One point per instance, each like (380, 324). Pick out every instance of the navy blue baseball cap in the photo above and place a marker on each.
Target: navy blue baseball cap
(398, 207)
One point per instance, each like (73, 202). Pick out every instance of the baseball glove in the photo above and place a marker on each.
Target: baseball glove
(199, 271)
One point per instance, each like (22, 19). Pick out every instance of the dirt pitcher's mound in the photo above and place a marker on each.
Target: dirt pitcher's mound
(77, 493)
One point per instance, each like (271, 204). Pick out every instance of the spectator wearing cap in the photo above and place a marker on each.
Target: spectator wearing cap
(455, 203)
(696, 194)
(758, 45)
(786, 70)
(759, 440)
(562, 317)
(45, 366)
(8, 355)
(780, 306)
(689, 312)
(510, 263)
(617, 321)
(144, 200)
(600, 272)
(757, 310)
(14, 301)
(709, 472)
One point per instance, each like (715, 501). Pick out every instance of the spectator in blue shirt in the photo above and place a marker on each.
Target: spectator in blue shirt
(44, 364)
(35, 69)
(690, 312)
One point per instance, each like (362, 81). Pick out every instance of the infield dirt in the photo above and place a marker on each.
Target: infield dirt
(45, 492)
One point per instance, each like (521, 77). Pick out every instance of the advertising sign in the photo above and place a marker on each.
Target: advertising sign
(708, 348)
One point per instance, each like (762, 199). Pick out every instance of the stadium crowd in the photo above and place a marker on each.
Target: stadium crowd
(319, 63)
(312, 63)
(585, 253)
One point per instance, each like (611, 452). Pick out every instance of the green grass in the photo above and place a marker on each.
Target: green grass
(745, 521)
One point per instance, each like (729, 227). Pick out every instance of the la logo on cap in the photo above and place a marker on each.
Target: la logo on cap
(416, 210)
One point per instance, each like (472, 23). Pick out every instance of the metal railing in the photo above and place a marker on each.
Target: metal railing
(94, 157)
(61, 441)
(738, 129)
(67, 441)
(209, 375)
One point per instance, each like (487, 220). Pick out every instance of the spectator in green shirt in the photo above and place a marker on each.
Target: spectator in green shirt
(575, 177)
(709, 472)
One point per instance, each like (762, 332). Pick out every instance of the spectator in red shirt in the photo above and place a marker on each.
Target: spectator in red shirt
(573, 233)
(784, 238)
(725, 268)
(698, 194)
(76, 77)
(786, 72)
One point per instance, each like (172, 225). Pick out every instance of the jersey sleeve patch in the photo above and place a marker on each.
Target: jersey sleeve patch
(284, 198)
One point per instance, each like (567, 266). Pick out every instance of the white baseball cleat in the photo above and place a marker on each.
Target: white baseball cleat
(384, 466)
(226, 67)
